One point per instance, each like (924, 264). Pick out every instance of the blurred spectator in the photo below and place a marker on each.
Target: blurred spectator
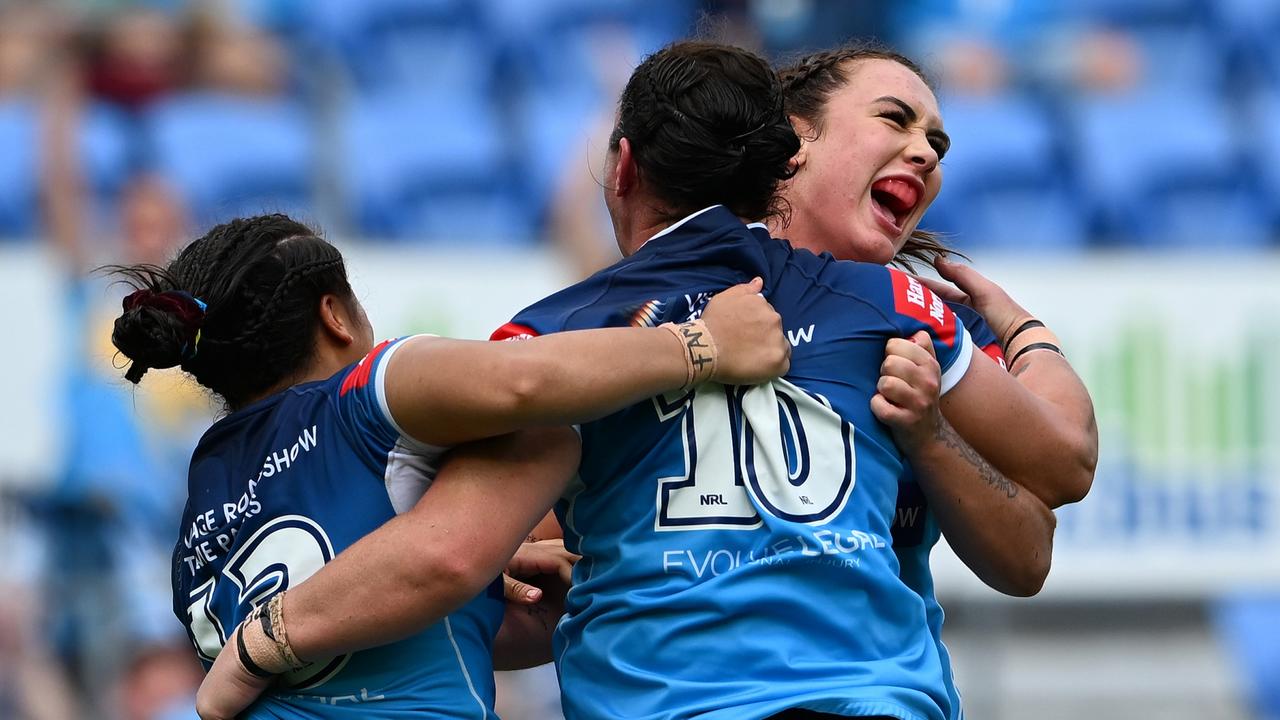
(160, 682)
(236, 59)
(135, 58)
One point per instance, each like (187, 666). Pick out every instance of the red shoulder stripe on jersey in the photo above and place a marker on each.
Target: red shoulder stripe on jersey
(994, 352)
(358, 377)
(514, 331)
(913, 299)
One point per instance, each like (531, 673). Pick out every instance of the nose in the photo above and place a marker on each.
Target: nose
(921, 154)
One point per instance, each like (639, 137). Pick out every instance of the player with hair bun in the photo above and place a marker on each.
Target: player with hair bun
(329, 436)
(736, 541)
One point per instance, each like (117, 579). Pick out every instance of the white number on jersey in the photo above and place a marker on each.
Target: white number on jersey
(283, 552)
(775, 448)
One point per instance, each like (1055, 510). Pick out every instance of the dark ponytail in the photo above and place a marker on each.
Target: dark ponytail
(238, 308)
(707, 126)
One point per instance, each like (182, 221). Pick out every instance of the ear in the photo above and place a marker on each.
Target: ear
(625, 172)
(335, 320)
(806, 134)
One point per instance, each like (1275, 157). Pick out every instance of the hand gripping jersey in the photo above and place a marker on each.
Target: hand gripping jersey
(916, 531)
(275, 491)
(736, 545)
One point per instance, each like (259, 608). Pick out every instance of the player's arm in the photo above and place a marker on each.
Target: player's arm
(443, 392)
(1042, 432)
(416, 568)
(1003, 533)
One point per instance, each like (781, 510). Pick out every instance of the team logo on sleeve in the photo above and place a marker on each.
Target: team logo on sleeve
(514, 331)
(648, 314)
(913, 299)
(359, 375)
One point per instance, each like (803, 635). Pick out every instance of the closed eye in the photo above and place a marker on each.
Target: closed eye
(897, 117)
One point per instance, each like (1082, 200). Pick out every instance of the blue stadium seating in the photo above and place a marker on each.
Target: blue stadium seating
(233, 156)
(1136, 12)
(1003, 184)
(107, 148)
(400, 44)
(1163, 166)
(1247, 625)
(18, 165)
(424, 167)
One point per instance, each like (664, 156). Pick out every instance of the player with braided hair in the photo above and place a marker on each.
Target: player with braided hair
(328, 436)
(868, 168)
(735, 541)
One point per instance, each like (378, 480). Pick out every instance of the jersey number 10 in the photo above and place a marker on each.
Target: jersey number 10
(775, 448)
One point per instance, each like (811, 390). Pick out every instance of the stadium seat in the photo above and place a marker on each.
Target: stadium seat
(18, 163)
(408, 44)
(1247, 626)
(232, 156)
(107, 146)
(1163, 167)
(1136, 12)
(422, 167)
(1003, 182)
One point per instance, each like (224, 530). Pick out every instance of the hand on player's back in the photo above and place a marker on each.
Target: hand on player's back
(748, 335)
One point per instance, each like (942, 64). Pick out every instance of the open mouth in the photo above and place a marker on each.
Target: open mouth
(894, 200)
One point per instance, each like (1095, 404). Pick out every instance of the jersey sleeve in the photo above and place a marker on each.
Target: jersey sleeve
(914, 308)
(362, 401)
(984, 338)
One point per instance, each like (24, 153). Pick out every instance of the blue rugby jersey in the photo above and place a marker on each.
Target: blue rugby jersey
(275, 491)
(915, 528)
(736, 542)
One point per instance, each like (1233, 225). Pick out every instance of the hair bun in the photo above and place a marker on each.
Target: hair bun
(157, 330)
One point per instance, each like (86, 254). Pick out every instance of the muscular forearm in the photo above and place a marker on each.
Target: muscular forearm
(422, 565)
(1042, 436)
(445, 392)
(1049, 377)
(1001, 532)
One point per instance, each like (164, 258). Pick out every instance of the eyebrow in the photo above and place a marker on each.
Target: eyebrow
(912, 116)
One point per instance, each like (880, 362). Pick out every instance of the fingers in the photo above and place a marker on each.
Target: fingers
(746, 288)
(946, 291)
(923, 340)
(909, 349)
(964, 276)
(890, 414)
(520, 593)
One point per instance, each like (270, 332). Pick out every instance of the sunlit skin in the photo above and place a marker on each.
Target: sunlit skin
(865, 179)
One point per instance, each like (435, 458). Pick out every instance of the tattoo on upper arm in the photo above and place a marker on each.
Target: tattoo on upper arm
(993, 477)
(1022, 368)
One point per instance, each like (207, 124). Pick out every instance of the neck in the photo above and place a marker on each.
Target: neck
(636, 229)
(323, 365)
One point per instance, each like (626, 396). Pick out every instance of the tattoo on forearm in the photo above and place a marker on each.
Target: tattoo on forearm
(539, 613)
(948, 436)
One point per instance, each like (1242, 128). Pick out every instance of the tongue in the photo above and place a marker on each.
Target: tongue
(896, 195)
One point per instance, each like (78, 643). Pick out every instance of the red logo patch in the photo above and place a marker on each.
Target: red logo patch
(913, 299)
(514, 331)
(359, 375)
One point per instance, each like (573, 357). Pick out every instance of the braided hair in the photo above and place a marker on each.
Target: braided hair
(808, 83)
(237, 308)
(707, 126)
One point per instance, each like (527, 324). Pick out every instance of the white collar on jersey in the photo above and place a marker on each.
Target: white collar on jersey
(672, 227)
